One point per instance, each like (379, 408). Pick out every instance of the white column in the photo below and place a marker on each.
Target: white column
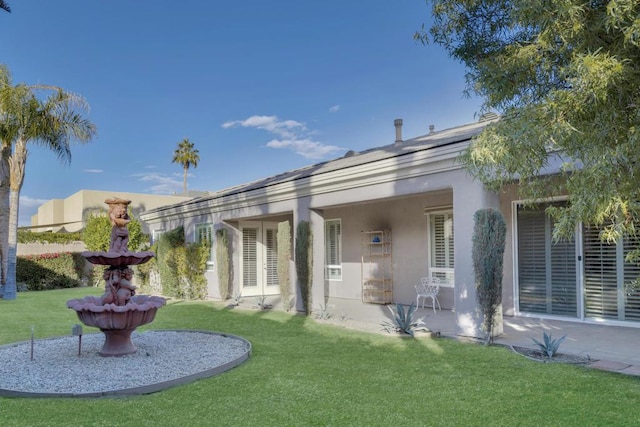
(303, 212)
(468, 197)
(319, 287)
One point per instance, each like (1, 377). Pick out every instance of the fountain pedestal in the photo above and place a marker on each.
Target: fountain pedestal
(117, 342)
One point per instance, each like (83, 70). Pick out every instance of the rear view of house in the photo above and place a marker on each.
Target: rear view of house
(384, 218)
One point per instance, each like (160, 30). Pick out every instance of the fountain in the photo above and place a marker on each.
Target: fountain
(119, 311)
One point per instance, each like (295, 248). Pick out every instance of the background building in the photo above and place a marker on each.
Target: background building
(70, 214)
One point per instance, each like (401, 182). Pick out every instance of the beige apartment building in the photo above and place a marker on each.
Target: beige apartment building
(70, 214)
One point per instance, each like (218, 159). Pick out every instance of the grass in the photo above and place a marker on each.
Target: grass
(302, 373)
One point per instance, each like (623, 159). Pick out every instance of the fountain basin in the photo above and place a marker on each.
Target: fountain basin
(117, 322)
(118, 259)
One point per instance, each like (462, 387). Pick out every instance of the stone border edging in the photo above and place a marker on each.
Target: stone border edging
(147, 389)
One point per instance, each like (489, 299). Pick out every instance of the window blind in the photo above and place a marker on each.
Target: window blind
(249, 257)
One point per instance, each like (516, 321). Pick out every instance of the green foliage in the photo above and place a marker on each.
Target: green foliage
(548, 345)
(50, 271)
(144, 271)
(284, 257)
(488, 241)
(190, 262)
(182, 265)
(97, 233)
(403, 321)
(223, 261)
(304, 262)
(25, 236)
(564, 74)
(165, 261)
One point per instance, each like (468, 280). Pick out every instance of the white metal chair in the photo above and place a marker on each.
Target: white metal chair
(428, 288)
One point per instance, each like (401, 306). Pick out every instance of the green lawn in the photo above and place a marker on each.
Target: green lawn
(302, 373)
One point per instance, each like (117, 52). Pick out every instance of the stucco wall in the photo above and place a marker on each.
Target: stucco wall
(406, 219)
(49, 248)
(70, 213)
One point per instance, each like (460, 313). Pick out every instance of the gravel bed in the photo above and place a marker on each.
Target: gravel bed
(162, 360)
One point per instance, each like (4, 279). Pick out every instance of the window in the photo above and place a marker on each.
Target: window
(580, 277)
(204, 233)
(546, 268)
(333, 249)
(156, 235)
(441, 246)
(608, 277)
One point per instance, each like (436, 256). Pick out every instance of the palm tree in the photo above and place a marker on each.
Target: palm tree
(4, 5)
(187, 156)
(52, 122)
(5, 153)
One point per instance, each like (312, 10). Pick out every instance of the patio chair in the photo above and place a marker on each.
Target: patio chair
(428, 288)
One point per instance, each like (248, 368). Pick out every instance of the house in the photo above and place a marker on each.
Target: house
(70, 214)
(413, 203)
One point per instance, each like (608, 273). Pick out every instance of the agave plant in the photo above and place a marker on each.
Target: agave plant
(324, 313)
(261, 302)
(403, 321)
(549, 346)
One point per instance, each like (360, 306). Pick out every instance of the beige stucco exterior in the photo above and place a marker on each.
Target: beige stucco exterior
(69, 214)
(393, 187)
(398, 187)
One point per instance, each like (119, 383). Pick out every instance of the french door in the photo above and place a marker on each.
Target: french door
(580, 277)
(259, 266)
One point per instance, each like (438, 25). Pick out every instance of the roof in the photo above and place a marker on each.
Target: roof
(350, 159)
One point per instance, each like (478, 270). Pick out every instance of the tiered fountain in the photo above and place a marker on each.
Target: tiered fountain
(119, 311)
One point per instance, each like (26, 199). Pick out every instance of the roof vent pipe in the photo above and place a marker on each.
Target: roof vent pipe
(432, 129)
(398, 124)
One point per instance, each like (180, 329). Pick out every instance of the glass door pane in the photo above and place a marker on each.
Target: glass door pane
(547, 280)
(249, 258)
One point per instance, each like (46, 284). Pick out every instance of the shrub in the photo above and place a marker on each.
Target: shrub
(284, 256)
(182, 265)
(190, 262)
(304, 262)
(222, 262)
(145, 271)
(166, 262)
(97, 233)
(489, 234)
(50, 271)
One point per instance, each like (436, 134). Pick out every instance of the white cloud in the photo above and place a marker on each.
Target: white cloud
(30, 202)
(305, 147)
(283, 128)
(292, 135)
(93, 170)
(28, 207)
(162, 184)
(334, 109)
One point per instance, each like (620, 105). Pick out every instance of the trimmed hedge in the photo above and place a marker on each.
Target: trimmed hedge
(50, 271)
(48, 237)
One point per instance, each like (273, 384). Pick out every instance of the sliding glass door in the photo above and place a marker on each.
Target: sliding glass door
(580, 277)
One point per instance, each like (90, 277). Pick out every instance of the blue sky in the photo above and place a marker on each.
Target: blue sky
(259, 87)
